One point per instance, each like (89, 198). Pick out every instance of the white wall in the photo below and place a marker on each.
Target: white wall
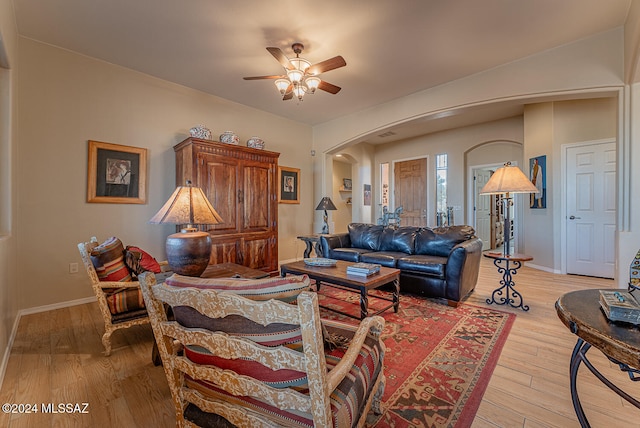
(66, 99)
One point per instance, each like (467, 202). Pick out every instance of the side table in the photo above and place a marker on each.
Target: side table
(507, 294)
(619, 342)
(312, 242)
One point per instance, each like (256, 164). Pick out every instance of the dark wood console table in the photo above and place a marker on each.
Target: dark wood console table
(507, 294)
(312, 242)
(580, 312)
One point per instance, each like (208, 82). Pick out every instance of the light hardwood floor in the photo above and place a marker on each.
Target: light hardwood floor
(57, 358)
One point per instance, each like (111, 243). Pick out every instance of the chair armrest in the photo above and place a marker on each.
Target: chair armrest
(119, 284)
(370, 325)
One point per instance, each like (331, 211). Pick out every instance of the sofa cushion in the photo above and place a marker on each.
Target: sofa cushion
(401, 239)
(428, 265)
(384, 258)
(440, 241)
(348, 254)
(108, 261)
(365, 235)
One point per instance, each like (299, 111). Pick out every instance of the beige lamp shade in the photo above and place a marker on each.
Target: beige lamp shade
(187, 205)
(189, 251)
(508, 179)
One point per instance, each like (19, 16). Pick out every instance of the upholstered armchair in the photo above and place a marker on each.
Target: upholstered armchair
(119, 297)
(235, 355)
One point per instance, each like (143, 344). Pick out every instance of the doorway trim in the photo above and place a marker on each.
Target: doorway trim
(563, 197)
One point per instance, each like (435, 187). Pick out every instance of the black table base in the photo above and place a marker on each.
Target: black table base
(507, 294)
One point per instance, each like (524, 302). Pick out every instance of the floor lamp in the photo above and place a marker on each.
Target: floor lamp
(506, 180)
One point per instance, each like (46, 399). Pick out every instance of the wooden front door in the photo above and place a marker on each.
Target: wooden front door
(410, 188)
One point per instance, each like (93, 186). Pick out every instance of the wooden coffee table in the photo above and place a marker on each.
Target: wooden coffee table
(337, 276)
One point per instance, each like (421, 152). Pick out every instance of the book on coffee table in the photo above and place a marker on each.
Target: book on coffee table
(363, 269)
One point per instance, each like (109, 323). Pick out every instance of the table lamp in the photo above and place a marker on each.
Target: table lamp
(325, 204)
(506, 180)
(189, 250)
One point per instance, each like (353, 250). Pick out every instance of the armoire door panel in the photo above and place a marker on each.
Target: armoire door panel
(257, 252)
(224, 251)
(219, 178)
(256, 198)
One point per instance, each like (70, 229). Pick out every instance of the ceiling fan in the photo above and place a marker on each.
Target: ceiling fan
(301, 76)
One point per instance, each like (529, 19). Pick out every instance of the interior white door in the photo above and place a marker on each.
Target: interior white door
(482, 208)
(591, 209)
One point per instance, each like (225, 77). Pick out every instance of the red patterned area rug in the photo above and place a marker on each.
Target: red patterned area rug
(438, 361)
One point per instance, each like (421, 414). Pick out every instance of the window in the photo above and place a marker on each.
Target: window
(441, 190)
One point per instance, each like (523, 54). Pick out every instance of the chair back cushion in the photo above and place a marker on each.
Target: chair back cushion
(108, 260)
(284, 289)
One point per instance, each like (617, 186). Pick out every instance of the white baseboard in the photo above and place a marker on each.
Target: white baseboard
(35, 310)
(543, 268)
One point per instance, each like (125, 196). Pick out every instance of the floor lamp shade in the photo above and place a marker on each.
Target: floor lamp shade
(188, 251)
(506, 180)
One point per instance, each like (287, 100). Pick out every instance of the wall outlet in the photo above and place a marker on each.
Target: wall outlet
(73, 267)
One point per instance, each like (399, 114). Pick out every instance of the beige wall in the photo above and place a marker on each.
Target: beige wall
(8, 201)
(549, 126)
(342, 216)
(66, 99)
(455, 143)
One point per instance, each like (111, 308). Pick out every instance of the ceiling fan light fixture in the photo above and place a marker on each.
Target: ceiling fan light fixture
(300, 63)
(298, 91)
(295, 76)
(312, 83)
(282, 85)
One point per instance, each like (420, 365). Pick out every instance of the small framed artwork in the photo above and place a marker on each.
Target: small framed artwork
(346, 183)
(116, 174)
(367, 195)
(538, 168)
(289, 185)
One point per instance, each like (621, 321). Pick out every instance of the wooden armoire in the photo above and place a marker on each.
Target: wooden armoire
(241, 184)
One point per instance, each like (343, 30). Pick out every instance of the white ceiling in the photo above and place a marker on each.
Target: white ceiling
(392, 47)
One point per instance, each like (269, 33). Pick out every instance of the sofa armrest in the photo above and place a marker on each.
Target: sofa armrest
(336, 240)
(462, 268)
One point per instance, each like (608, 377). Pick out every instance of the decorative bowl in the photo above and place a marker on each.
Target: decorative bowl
(200, 131)
(228, 137)
(319, 261)
(255, 143)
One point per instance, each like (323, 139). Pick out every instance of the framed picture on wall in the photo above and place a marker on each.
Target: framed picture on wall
(367, 195)
(538, 170)
(116, 174)
(289, 185)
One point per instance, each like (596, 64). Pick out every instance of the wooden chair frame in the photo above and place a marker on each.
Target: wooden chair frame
(110, 324)
(171, 337)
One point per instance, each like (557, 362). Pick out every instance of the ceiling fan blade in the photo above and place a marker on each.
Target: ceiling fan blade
(261, 77)
(287, 96)
(327, 65)
(281, 57)
(328, 87)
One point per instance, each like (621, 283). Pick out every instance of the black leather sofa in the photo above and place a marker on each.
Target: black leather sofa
(441, 262)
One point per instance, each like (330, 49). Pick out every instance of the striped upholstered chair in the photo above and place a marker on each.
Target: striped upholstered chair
(240, 354)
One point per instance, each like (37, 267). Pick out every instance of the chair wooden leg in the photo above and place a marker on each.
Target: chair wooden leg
(106, 341)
